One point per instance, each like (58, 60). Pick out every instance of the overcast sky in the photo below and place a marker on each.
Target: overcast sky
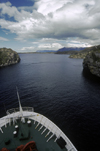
(30, 25)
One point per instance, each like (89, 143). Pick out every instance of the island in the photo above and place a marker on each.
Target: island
(8, 57)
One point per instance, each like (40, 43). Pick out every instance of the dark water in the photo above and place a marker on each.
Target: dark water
(57, 88)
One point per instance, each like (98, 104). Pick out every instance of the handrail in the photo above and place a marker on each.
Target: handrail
(14, 110)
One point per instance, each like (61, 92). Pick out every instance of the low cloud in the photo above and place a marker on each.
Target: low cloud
(26, 49)
(78, 44)
(53, 46)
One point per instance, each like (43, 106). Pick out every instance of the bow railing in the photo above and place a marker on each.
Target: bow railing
(14, 110)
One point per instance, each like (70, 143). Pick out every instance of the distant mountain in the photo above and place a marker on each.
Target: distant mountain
(69, 50)
(64, 50)
(45, 51)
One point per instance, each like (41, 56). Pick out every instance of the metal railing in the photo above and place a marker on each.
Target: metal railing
(14, 110)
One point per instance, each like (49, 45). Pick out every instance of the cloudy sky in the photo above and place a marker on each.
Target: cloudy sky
(30, 25)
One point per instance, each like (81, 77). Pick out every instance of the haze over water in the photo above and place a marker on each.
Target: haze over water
(57, 88)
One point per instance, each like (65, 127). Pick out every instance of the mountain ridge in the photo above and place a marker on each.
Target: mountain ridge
(69, 50)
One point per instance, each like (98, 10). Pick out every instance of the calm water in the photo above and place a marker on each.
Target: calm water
(57, 88)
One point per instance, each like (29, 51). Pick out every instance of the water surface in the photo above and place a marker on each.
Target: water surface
(57, 88)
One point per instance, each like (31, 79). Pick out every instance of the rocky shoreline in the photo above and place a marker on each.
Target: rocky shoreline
(91, 59)
(91, 63)
(8, 57)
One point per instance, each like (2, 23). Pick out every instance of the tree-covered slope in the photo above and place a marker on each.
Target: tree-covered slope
(91, 62)
(8, 57)
(82, 54)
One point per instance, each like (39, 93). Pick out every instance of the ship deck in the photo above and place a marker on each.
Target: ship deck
(26, 133)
